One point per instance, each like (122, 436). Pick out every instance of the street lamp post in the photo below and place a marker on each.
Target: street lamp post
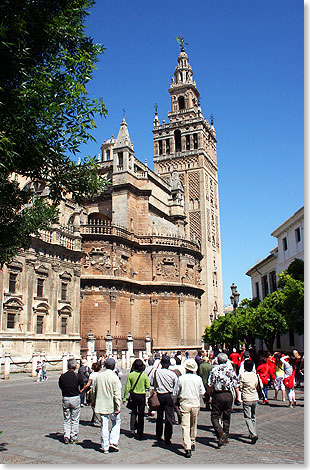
(234, 299)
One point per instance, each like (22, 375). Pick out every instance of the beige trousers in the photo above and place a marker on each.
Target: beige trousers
(189, 424)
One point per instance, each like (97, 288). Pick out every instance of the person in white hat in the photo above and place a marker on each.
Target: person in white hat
(189, 388)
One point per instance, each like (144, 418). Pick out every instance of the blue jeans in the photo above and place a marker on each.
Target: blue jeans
(265, 391)
(113, 437)
(71, 411)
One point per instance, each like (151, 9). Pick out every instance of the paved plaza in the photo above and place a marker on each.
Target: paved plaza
(31, 421)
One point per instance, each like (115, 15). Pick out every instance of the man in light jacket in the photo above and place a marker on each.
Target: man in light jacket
(189, 388)
(107, 401)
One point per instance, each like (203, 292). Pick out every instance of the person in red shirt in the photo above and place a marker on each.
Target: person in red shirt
(264, 373)
(271, 364)
(235, 359)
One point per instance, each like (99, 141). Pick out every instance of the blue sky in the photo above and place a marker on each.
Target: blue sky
(247, 59)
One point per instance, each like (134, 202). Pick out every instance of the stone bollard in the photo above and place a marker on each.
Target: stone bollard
(64, 362)
(108, 344)
(124, 362)
(0, 363)
(129, 350)
(141, 355)
(148, 343)
(34, 364)
(94, 357)
(7, 360)
(89, 358)
(131, 360)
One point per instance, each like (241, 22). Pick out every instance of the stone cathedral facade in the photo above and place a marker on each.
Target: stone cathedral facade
(143, 258)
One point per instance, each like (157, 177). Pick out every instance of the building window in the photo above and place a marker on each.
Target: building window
(10, 323)
(120, 160)
(188, 142)
(160, 147)
(63, 325)
(297, 234)
(40, 283)
(63, 291)
(167, 146)
(272, 281)
(181, 102)
(177, 138)
(265, 286)
(257, 289)
(284, 243)
(108, 155)
(12, 283)
(40, 324)
(195, 141)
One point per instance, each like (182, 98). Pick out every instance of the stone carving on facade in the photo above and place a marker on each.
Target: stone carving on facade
(98, 259)
(167, 268)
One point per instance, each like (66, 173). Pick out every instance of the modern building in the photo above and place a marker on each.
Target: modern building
(290, 246)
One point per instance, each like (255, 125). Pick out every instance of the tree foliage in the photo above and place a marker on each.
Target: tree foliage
(45, 112)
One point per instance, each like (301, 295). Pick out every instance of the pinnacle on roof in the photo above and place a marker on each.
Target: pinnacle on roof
(123, 138)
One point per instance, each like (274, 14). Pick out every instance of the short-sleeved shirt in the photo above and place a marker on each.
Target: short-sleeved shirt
(223, 378)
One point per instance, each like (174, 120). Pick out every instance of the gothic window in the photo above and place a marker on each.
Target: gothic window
(177, 138)
(108, 155)
(40, 283)
(39, 328)
(167, 146)
(284, 243)
(12, 282)
(297, 234)
(10, 320)
(160, 144)
(120, 160)
(195, 136)
(188, 143)
(181, 102)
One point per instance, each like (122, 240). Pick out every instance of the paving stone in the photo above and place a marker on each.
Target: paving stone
(31, 422)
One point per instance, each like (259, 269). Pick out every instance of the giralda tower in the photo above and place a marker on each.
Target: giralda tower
(187, 143)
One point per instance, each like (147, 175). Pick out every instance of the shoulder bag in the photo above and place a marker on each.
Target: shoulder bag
(289, 381)
(153, 402)
(130, 399)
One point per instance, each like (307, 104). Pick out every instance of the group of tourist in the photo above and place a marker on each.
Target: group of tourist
(172, 386)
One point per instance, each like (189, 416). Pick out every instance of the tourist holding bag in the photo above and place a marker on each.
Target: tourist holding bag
(289, 376)
(136, 385)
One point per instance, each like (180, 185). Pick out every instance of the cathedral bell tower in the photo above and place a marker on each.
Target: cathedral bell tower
(187, 144)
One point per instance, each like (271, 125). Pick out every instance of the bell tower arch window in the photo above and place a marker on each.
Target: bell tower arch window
(181, 102)
(177, 139)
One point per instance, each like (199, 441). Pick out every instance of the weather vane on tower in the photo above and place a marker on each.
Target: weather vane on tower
(180, 40)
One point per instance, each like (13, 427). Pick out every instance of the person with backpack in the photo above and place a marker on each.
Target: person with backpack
(136, 386)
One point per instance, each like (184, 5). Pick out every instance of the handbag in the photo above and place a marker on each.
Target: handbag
(153, 402)
(289, 381)
(130, 399)
(260, 392)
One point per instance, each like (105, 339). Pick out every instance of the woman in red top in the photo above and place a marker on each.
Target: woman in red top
(264, 373)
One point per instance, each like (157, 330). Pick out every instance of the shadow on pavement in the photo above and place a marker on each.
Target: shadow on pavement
(171, 447)
(88, 444)
(2, 448)
(207, 441)
(56, 435)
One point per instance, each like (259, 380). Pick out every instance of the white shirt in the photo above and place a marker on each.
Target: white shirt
(189, 388)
